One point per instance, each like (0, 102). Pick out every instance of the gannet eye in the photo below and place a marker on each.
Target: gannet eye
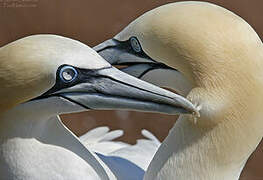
(68, 74)
(135, 44)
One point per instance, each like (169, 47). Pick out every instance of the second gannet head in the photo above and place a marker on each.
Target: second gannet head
(216, 53)
(43, 67)
(215, 59)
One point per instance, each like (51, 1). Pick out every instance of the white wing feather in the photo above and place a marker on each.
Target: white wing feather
(142, 152)
(126, 161)
(101, 140)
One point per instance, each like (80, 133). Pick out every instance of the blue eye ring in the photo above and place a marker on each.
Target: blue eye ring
(68, 74)
(135, 44)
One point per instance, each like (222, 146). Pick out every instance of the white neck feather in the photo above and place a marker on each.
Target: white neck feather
(190, 153)
(30, 133)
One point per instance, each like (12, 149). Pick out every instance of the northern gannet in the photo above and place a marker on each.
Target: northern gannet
(218, 59)
(43, 76)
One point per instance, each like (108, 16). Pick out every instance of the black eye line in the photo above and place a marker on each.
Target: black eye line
(81, 77)
(60, 84)
(126, 45)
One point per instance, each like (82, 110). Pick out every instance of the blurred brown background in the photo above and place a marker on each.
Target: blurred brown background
(95, 21)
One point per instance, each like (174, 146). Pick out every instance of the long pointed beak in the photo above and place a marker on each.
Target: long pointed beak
(141, 66)
(110, 88)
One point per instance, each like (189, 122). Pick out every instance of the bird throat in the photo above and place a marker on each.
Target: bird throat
(191, 153)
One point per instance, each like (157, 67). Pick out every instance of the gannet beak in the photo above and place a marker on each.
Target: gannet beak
(140, 65)
(121, 53)
(109, 88)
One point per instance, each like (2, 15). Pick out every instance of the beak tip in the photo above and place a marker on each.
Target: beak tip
(196, 114)
(196, 110)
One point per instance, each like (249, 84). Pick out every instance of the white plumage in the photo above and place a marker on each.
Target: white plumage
(44, 76)
(215, 59)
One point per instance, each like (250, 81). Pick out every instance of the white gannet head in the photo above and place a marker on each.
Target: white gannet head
(43, 67)
(216, 54)
(214, 58)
